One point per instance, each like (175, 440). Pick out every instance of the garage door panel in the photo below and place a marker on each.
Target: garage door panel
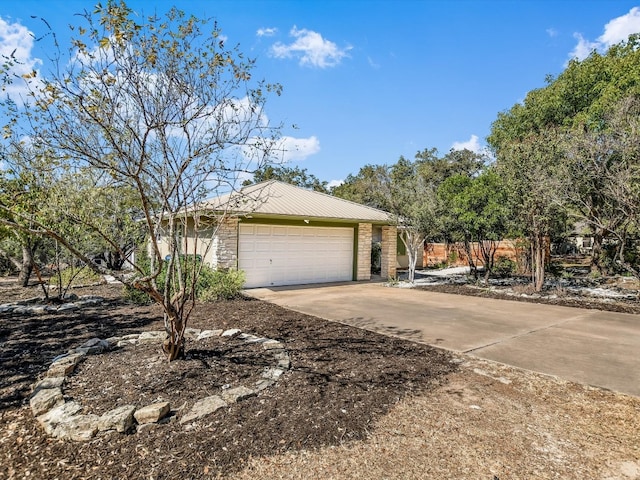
(274, 255)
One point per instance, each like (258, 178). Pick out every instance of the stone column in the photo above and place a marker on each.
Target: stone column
(364, 251)
(389, 252)
(227, 244)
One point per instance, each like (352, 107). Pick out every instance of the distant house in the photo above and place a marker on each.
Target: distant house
(280, 234)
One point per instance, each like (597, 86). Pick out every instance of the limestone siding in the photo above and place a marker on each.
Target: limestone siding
(364, 251)
(389, 252)
(225, 246)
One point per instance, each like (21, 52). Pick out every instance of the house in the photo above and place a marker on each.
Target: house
(280, 234)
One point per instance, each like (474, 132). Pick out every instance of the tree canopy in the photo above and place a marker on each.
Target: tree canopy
(139, 120)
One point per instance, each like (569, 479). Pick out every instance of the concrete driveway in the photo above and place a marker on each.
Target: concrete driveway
(587, 346)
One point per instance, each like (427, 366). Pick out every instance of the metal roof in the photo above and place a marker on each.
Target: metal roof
(275, 198)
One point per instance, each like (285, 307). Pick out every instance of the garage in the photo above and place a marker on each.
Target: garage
(273, 255)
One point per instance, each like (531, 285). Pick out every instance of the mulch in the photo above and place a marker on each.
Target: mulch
(549, 297)
(342, 379)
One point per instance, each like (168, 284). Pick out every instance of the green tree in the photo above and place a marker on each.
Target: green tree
(23, 192)
(478, 212)
(364, 187)
(608, 160)
(292, 175)
(531, 168)
(576, 105)
(158, 106)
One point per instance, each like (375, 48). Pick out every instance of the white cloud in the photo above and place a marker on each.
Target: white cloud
(311, 49)
(472, 144)
(615, 31)
(583, 48)
(290, 148)
(552, 32)
(266, 32)
(335, 183)
(16, 40)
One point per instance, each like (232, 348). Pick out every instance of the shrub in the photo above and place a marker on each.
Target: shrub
(136, 296)
(74, 276)
(221, 285)
(504, 267)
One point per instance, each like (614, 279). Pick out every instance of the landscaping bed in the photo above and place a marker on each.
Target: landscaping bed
(354, 404)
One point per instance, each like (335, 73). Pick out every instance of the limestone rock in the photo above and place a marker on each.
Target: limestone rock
(272, 373)
(79, 428)
(132, 336)
(272, 345)
(113, 341)
(152, 413)
(48, 382)
(284, 363)
(192, 333)
(236, 394)
(119, 419)
(204, 407)
(51, 420)
(64, 366)
(208, 334)
(249, 338)
(265, 383)
(65, 307)
(46, 399)
(231, 332)
(95, 345)
(151, 337)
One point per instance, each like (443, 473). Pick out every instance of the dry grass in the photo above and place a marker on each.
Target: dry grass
(489, 421)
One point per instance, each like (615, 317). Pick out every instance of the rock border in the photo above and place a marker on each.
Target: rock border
(62, 418)
(34, 306)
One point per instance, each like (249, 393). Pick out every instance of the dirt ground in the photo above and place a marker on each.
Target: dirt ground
(355, 404)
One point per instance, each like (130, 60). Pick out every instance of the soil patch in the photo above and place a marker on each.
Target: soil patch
(342, 380)
(550, 297)
(355, 404)
(140, 374)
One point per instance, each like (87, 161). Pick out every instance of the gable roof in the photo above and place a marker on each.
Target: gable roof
(278, 199)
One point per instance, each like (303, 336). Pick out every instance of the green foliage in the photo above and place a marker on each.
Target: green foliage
(76, 276)
(364, 187)
(221, 285)
(136, 296)
(292, 175)
(211, 284)
(504, 267)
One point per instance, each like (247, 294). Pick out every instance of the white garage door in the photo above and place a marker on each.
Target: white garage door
(272, 255)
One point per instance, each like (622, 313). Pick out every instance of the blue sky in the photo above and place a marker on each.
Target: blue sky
(368, 81)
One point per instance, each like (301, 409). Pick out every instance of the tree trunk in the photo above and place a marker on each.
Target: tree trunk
(26, 267)
(469, 252)
(596, 252)
(414, 243)
(539, 253)
(173, 346)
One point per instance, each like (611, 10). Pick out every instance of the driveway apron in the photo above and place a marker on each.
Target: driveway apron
(588, 346)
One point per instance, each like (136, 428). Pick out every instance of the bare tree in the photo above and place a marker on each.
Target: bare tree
(160, 106)
(605, 167)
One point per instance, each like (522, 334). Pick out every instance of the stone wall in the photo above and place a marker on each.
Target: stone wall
(364, 251)
(389, 252)
(225, 247)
